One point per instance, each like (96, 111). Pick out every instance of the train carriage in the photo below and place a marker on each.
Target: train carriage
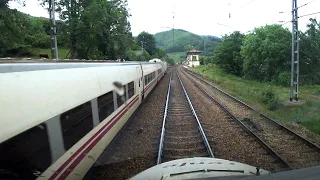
(59, 117)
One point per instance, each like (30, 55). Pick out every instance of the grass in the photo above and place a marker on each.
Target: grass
(176, 56)
(249, 91)
(62, 52)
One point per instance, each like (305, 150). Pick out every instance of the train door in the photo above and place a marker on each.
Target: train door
(140, 82)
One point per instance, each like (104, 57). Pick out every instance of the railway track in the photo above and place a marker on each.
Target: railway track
(291, 148)
(182, 135)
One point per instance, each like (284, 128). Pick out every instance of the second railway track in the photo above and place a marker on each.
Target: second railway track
(182, 135)
(297, 151)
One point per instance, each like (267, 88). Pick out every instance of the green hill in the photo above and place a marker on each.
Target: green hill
(177, 56)
(185, 41)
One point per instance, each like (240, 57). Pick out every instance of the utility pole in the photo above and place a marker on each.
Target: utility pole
(204, 46)
(142, 42)
(173, 31)
(53, 28)
(142, 46)
(294, 90)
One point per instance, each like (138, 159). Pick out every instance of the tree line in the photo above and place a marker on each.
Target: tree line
(90, 29)
(265, 54)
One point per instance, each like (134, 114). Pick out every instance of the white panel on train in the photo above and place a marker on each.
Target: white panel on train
(28, 98)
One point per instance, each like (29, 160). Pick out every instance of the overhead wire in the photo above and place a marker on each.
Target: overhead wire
(309, 14)
(305, 4)
(247, 4)
(302, 16)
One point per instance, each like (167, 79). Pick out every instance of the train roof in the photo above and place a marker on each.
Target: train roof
(6, 67)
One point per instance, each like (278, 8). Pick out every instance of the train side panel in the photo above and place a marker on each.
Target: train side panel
(150, 76)
(52, 100)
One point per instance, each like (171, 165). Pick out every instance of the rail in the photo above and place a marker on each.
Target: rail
(267, 147)
(198, 122)
(260, 114)
(164, 122)
(163, 130)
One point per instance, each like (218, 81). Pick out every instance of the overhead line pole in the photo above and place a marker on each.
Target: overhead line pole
(53, 28)
(294, 89)
(173, 27)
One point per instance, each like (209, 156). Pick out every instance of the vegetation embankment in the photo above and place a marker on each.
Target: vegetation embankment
(265, 96)
(256, 68)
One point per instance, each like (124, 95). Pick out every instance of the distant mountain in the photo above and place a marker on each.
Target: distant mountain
(185, 41)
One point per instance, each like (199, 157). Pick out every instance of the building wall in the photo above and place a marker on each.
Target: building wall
(189, 57)
(193, 61)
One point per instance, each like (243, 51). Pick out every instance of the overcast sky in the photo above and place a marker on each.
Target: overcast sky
(203, 17)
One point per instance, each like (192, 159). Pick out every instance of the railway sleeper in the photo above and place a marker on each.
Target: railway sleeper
(184, 144)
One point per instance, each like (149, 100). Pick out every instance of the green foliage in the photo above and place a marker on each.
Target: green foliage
(138, 56)
(269, 97)
(63, 52)
(204, 60)
(316, 91)
(284, 79)
(95, 29)
(21, 33)
(310, 54)
(149, 43)
(227, 54)
(160, 54)
(249, 91)
(185, 41)
(170, 61)
(177, 56)
(266, 52)
(12, 27)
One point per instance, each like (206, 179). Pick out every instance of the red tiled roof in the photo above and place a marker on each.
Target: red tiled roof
(193, 51)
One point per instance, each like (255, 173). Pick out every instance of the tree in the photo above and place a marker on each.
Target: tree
(12, 30)
(170, 61)
(266, 52)
(160, 53)
(96, 28)
(148, 41)
(309, 53)
(227, 54)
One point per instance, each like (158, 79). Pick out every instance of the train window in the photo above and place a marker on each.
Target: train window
(105, 105)
(146, 79)
(131, 89)
(26, 153)
(76, 123)
(149, 78)
(120, 99)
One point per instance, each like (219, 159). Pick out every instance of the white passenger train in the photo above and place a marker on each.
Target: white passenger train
(57, 118)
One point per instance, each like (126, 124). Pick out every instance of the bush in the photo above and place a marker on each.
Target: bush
(316, 91)
(284, 79)
(269, 98)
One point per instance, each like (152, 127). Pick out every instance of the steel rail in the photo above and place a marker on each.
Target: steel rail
(198, 121)
(160, 150)
(309, 143)
(268, 148)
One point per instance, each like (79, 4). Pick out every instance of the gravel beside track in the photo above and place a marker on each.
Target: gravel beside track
(134, 149)
(295, 151)
(226, 137)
